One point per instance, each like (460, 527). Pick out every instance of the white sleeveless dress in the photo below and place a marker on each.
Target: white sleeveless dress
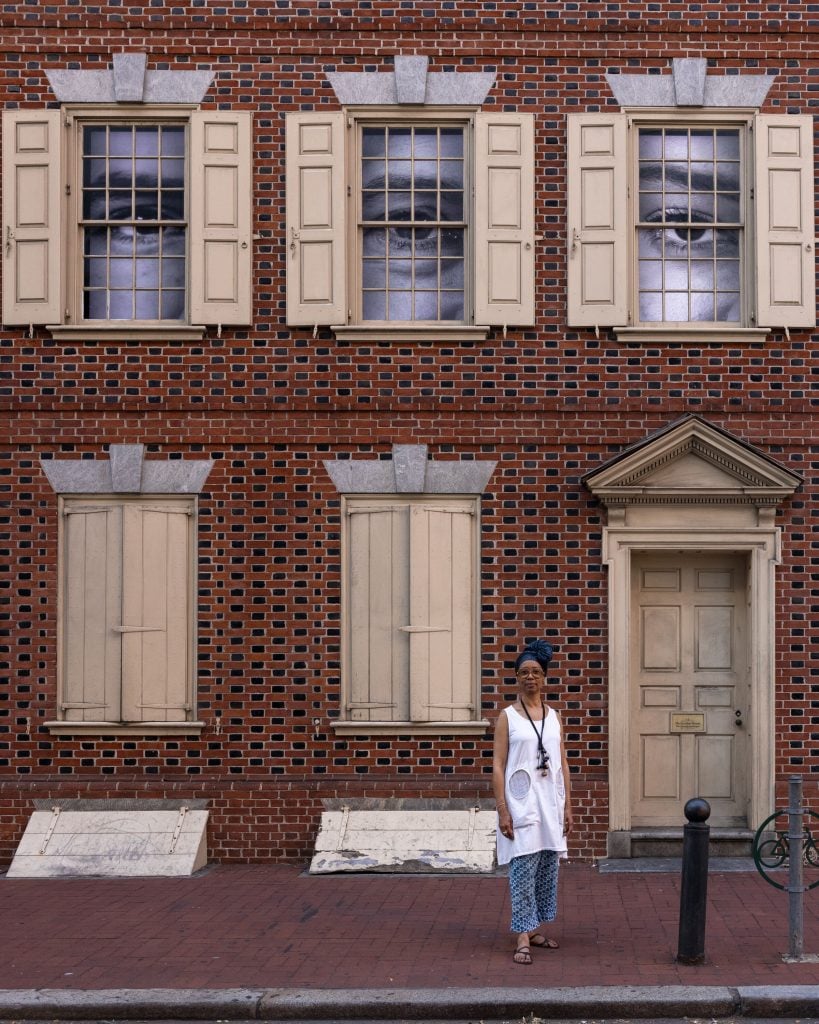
(535, 803)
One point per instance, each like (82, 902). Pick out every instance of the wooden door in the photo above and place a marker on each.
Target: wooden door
(689, 688)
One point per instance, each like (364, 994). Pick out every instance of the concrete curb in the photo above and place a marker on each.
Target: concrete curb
(615, 1001)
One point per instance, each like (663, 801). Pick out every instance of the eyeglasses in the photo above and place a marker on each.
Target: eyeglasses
(535, 673)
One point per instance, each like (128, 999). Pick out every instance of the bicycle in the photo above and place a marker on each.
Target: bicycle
(774, 852)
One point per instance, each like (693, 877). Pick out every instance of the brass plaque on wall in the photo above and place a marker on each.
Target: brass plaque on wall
(687, 722)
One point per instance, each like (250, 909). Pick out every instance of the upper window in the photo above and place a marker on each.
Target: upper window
(133, 222)
(699, 224)
(412, 234)
(690, 225)
(417, 224)
(154, 233)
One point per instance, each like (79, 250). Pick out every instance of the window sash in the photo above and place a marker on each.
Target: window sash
(129, 269)
(675, 282)
(445, 297)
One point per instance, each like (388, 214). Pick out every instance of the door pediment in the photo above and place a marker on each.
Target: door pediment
(692, 462)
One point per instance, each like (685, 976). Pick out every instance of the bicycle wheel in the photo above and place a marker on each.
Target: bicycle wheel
(812, 854)
(771, 853)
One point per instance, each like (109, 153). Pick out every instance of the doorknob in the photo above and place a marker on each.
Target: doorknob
(738, 716)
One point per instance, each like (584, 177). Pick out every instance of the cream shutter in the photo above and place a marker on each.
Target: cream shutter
(442, 613)
(31, 217)
(504, 219)
(221, 249)
(785, 258)
(157, 613)
(316, 234)
(91, 588)
(597, 184)
(377, 608)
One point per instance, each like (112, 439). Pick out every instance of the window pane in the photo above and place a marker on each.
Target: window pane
(173, 305)
(452, 142)
(147, 141)
(120, 141)
(173, 141)
(374, 142)
(173, 273)
(173, 205)
(375, 242)
(94, 140)
(173, 241)
(374, 206)
(375, 305)
(426, 306)
(399, 142)
(147, 305)
(375, 274)
(400, 305)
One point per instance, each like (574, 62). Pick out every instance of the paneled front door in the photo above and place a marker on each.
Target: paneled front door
(689, 687)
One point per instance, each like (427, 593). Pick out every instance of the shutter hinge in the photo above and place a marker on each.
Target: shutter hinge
(68, 190)
(349, 190)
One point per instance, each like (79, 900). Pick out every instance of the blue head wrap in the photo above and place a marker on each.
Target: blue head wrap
(539, 651)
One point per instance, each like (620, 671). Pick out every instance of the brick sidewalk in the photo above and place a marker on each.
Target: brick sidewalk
(271, 926)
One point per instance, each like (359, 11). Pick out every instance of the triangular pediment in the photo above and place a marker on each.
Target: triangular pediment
(692, 461)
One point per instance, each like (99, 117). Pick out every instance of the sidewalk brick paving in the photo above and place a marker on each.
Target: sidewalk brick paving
(272, 926)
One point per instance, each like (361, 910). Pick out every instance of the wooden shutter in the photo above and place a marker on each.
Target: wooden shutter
(785, 258)
(504, 219)
(221, 249)
(91, 587)
(442, 613)
(156, 613)
(596, 183)
(316, 234)
(378, 608)
(32, 213)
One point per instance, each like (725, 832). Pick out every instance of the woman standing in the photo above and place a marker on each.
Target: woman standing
(531, 784)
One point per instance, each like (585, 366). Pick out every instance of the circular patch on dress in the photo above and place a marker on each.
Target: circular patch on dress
(520, 783)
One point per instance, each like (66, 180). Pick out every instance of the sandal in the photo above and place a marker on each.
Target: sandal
(522, 955)
(545, 942)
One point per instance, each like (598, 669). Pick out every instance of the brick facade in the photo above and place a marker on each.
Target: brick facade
(269, 404)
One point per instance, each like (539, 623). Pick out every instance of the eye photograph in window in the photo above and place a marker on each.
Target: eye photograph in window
(413, 223)
(133, 222)
(690, 225)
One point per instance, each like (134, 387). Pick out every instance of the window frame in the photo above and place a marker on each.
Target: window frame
(743, 120)
(388, 117)
(346, 725)
(75, 118)
(187, 504)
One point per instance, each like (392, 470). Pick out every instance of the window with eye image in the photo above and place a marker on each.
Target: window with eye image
(134, 221)
(690, 227)
(413, 227)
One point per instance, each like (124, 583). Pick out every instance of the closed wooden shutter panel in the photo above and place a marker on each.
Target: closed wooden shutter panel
(221, 250)
(504, 219)
(378, 602)
(316, 234)
(32, 213)
(91, 589)
(597, 204)
(156, 613)
(442, 614)
(785, 256)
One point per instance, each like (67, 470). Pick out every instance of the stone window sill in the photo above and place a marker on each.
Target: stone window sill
(410, 728)
(106, 331)
(410, 332)
(685, 333)
(125, 729)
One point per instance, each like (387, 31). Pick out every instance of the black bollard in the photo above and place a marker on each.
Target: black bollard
(694, 884)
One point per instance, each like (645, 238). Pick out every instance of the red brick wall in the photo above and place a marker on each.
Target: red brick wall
(268, 404)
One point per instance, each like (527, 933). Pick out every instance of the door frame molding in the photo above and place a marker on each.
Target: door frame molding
(761, 545)
(692, 486)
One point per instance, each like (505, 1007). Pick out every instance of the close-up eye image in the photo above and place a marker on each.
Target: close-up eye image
(413, 223)
(689, 227)
(133, 217)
